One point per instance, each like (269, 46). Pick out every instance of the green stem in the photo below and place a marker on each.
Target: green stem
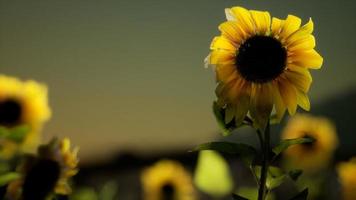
(265, 146)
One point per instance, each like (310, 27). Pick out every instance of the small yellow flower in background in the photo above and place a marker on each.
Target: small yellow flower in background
(22, 103)
(262, 64)
(314, 156)
(347, 178)
(165, 180)
(54, 165)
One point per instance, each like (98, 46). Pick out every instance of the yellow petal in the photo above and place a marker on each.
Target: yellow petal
(276, 26)
(300, 77)
(309, 59)
(291, 24)
(221, 42)
(303, 100)
(261, 104)
(225, 73)
(278, 101)
(221, 57)
(222, 91)
(235, 89)
(288, 94)
(242, 103)
(262, 21)
(229, 15)
(304, 31)
(232, 31)
(243, 17)
(303, 43)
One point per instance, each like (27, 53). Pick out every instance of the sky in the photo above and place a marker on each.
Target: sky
(130, 74)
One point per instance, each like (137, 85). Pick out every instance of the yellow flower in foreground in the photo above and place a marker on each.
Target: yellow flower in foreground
(262, 64)
(167, 180)
(314, 156)
(347, 178)
(47, 172)
(22, 103)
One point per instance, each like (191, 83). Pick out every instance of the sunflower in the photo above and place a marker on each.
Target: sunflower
(167, 180)
(262, 64)
(347, 178)
(67, 158)
(47, 172)
(22, 103)
(312, 156)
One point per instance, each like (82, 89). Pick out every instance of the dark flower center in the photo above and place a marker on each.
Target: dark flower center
(40, 179)
(168, 192)
(10, 112)
(261, 59)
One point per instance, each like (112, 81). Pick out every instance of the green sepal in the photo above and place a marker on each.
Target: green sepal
(227, 128)
(220, 118)
(303, 195)
(285, 144)
(246, 152)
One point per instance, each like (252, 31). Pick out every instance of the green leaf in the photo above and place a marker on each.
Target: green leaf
(85, 193)
(4, 131)
(285, 144)
(4, 167)
(302, 195)
(8, 177)
(237, 197)
(252, 193)
(246, 152)
(295, 174)
(212, 174)
(275, 176)
(18, 133)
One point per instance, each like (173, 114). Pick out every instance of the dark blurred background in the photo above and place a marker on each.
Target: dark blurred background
(126, 78)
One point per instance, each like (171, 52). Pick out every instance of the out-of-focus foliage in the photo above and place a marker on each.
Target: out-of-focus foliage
(212, 174)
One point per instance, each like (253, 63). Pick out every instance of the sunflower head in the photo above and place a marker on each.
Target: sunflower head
(60, 152)
(314, 156)
(347, 178)
(47, 172)
(22, 103)
(167, 180)
(261, 65)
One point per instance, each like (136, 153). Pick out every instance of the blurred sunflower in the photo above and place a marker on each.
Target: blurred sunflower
(262, 64)
(22, 103)
(312, 156)
(347, 178)
(49, 171)
(167, 180)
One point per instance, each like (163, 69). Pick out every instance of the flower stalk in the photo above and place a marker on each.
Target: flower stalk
(265, 146)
